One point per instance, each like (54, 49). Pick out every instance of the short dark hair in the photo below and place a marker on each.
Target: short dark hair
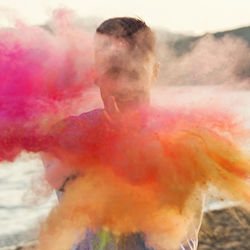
(133, 30)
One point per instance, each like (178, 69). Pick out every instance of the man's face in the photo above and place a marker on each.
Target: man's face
(121, 74)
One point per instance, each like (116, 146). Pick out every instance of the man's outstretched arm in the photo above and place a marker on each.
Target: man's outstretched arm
(56, 175)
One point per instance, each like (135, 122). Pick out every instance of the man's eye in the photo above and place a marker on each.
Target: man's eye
(114, 72)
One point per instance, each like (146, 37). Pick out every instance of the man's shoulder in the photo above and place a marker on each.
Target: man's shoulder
(91, 117)
(73, 122)
(73, 128)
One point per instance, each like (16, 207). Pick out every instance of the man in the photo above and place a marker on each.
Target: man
(126, 66)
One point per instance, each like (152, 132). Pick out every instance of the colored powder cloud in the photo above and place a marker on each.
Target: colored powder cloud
(144, 172)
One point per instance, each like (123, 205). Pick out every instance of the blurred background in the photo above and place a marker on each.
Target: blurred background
(200, 43)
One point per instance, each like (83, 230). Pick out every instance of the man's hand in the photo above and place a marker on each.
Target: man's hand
(112, 112)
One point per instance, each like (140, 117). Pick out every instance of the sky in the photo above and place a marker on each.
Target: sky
(184, 16)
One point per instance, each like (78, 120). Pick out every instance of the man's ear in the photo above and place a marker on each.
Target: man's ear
(156, 70)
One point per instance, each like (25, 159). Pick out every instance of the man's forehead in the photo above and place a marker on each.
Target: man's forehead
(117, 59)
(115, 52)
(110, 43)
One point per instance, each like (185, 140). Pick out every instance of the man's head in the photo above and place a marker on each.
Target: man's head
(125, 61)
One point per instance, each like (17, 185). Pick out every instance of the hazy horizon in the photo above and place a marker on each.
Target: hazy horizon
(193, 16)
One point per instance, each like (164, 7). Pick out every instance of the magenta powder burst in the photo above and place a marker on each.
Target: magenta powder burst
(42, 74)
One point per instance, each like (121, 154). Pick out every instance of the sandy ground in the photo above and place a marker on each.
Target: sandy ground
(225, 229)
(222, 229)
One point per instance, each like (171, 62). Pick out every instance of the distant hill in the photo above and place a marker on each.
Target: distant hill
(186, 43)
(240, 32)
(205, 60)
